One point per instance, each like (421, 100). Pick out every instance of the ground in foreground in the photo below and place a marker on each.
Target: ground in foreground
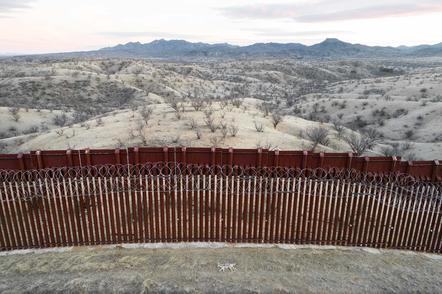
(258, 270)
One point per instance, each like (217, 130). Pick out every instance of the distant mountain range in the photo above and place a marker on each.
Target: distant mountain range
(329, 48)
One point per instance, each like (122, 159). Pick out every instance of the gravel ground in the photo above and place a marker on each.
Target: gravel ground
(195, 270)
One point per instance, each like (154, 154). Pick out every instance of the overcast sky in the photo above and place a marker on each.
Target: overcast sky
(36, 26)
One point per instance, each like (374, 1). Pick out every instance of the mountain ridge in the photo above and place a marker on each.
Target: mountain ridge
(329, 48)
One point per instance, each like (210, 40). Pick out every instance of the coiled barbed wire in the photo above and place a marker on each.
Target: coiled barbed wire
(171, 168)
(166, 177)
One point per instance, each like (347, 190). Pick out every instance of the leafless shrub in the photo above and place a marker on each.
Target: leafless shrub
(409, 134)
(59, 132)
(70, 136)
(176, 140)
(276, 119)
(210, 124)
(146, 113)
(14, 112)
(178, 114)
(80, 116)
(193, 124)
(360, 144)
(3, 146)
(267, 145)
(60, 120)
(410, 156)
(237, 102)
(197, 104)
(31, 130)
(13, 131)
(396, 149)
(173, 103)
(266, 108)
(339, 128)
(139, 133)
(208, 112)
(224, 130)
(198, 134)
(259, 127)
(318, 135)
(216, 141)
(120, 143)
(233, 130)
(223, 104)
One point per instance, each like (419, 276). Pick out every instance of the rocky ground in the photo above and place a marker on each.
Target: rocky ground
(195, 270)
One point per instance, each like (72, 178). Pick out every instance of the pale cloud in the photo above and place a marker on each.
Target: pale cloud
(150, 34)
(274, 32)
(329, 11)
(7, 6)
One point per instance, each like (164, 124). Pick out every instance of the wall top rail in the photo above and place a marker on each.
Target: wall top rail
(422, 170)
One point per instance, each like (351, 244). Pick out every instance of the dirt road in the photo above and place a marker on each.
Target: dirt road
(195, 270)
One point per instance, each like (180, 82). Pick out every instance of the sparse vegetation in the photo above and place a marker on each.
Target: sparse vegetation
(318, 135)
(259, 127)
(159, 101)
(276, 119)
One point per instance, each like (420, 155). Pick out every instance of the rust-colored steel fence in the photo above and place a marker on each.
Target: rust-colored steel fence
(423, 170)
(183, 202)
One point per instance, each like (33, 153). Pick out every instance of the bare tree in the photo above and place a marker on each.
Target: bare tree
(173, 103)
(193, 124)
(197, 104)
(198, 133)
(237, 102)
(318, 135)
(259, 127)
(233, 130)
(224, 130)
(339, 128)
(266, 108)
(216, 141)
(146, 113)
(178, 114)
(60, 120)
(140, 133)
(276, 119)
(14, 112)
(3, 146)
(210, 124)
(360, 144)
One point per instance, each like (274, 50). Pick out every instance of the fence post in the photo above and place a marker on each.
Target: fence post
(304, 159)
(39, 160)
(393, 164)
(117, 156)
(69, 160)
(321, 159)
(230, 156)
(213, 153)
(21, 162)
(165, 154)
(137, 155)
(409, 165)
(88, 156)
(349, 159)
(184, 157)
(276, 160)
(259, 153)
(366, 161)
(435, 170)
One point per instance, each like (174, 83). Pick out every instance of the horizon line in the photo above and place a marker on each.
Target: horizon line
(10, 54)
